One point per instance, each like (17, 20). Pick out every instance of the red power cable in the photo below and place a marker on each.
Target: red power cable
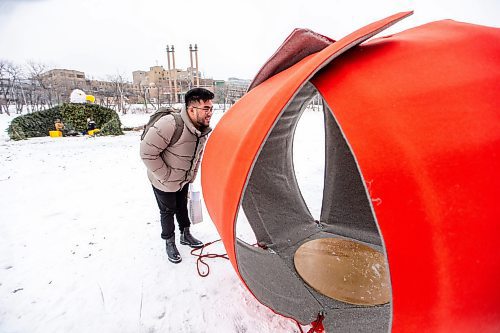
(201, 256)
(317, 325)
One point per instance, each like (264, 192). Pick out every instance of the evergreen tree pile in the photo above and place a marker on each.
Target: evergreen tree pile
(74, 116)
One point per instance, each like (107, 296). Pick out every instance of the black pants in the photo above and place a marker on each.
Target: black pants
(170, 204)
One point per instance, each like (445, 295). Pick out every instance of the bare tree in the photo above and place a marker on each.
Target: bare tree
(11, 90)
(4, 87)
(119, 87)
(43, 87)
(17, 88)
(146, 97)
(222, 94)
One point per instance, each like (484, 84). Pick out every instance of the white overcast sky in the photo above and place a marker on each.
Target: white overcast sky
(235, 38)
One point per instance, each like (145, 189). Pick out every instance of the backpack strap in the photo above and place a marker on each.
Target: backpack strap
(179, 128)
(179, 123)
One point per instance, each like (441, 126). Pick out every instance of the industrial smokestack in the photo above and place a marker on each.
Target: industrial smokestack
(169, 77)
(191, 68)
(175, 74)
(196, 59)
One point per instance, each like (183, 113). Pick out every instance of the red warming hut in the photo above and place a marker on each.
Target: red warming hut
(409, 227)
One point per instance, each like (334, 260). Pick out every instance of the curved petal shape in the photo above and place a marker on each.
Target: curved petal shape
(412, 138)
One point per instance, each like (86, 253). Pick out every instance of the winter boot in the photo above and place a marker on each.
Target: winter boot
(172, 253)
(188, 239)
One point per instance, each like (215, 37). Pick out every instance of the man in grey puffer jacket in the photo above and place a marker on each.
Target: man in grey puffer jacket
(171, 167)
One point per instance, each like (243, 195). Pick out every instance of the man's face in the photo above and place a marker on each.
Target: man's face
(201, 113)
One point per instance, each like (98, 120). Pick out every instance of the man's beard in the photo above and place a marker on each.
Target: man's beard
(201, 124)
(202, 127)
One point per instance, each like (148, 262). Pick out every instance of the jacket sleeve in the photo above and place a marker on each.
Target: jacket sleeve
(154, 143)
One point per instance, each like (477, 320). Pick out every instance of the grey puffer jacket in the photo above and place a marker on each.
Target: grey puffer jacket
(172, 167)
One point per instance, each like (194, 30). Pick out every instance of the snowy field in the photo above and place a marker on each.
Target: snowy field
(80, 247)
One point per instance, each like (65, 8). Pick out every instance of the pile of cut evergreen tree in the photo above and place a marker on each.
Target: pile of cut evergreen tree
(74, 117)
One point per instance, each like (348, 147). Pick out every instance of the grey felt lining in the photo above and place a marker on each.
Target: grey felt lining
(345, 209)
(279, 217)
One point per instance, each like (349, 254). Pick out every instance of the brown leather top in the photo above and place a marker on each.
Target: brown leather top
(344, 270)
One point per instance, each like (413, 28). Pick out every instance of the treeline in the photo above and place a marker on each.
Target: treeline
(26, 87)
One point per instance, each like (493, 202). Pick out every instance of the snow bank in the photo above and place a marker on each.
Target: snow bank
(81, 250)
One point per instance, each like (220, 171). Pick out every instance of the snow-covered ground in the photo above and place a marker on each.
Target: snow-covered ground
(80, 247)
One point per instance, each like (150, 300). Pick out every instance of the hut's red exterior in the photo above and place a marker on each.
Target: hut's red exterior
(423, 122)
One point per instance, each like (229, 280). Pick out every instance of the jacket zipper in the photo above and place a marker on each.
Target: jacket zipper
(194, 156)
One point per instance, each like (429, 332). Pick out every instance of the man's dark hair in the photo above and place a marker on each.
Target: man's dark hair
(198, 94)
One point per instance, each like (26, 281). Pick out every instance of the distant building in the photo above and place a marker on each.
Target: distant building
(63, 81)
(140, 78)
(165, 84)
(156, 85)
(65, 75)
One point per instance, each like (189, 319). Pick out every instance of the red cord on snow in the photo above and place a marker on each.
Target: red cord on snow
(316, 326)
(201, 256)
